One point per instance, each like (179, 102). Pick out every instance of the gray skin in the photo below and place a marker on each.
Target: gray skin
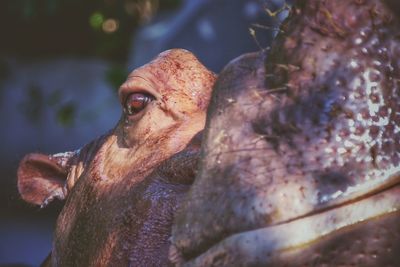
(299, 166)
(301, 156)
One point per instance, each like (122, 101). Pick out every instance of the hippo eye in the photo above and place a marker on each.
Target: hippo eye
(136, 102)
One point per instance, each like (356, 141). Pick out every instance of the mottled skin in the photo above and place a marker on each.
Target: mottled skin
(299, 166)
(123, 189)
(301, 157)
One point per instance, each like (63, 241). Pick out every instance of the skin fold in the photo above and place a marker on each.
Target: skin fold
(299, 164)
(122, 189)
(301, 157)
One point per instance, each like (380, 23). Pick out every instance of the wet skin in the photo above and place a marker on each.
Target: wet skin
(122, 189)
(307, 173)
(299, 165)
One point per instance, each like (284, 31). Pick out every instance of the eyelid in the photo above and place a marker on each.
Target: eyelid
(134, 111)
(136, 84)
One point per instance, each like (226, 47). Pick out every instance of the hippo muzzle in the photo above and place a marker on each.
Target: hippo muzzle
(299, 164)
(301, 157)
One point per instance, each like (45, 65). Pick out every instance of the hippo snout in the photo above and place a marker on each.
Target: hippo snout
(301, 159)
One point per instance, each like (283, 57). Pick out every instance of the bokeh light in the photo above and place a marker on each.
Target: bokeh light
(110, 25)
(96, 20)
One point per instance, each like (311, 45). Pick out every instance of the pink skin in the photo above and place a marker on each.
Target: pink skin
(122, 189)
(299, 164)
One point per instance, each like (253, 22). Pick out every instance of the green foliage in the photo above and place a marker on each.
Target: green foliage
(96, 20)
(99, 28)
(66, 114)
(36, 103)
(115, 76)
(38, 29)
(54, 98)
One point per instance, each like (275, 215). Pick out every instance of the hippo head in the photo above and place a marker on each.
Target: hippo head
(120, 191)
(301, 154)
(299, 164)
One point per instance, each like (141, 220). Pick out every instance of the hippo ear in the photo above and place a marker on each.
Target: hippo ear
(41, 178)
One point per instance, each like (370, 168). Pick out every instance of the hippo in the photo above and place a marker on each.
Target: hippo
(122, 189)
(300, 160)
(298, 163)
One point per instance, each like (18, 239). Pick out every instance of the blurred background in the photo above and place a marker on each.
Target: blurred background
(61, 63)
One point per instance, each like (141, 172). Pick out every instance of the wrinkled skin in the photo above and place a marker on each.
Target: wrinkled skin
(299, 165)
(122, 189)
(307, 172)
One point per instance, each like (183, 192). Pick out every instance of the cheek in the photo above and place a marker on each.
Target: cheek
(135, 132)
(152, 126)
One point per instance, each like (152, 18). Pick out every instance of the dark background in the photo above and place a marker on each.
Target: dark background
(61, 62)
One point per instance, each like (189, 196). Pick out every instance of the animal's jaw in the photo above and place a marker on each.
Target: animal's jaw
(263, 246)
